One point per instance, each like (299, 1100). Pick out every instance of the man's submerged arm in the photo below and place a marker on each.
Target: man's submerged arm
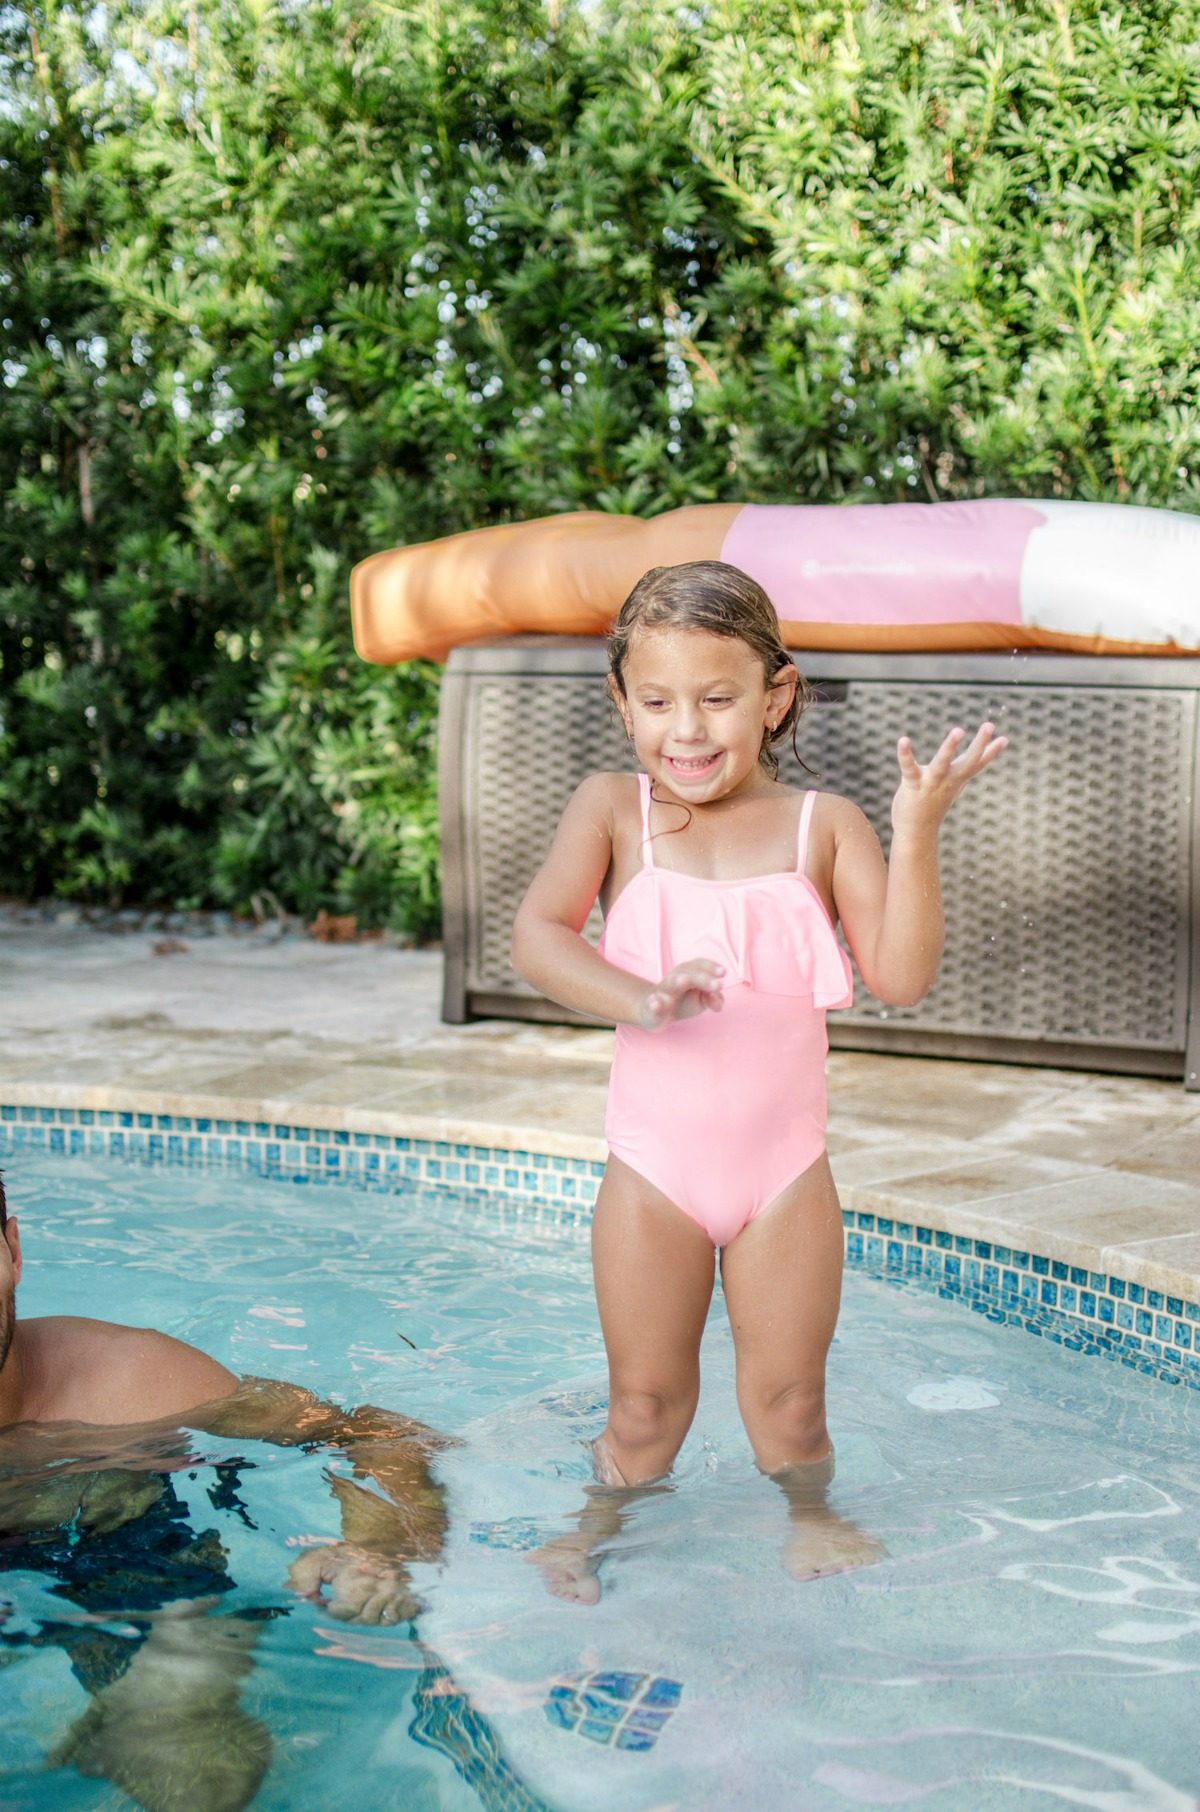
(390, 1450)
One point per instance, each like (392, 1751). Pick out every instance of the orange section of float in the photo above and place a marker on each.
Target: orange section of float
(987, 574)
(560, 575)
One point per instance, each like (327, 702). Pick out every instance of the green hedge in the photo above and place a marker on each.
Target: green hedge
(283, 285)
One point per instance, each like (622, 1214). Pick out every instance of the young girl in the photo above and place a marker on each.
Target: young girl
(721, 889)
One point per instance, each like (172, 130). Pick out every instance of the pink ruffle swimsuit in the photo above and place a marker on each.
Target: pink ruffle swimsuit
(723, 1111)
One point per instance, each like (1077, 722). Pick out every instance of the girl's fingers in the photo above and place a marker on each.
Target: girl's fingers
(952, 759)
(658, 1004)
(985, 746)
(979, 741)
(941, 763)
(699, 982)
(939, 767)
(700, 973)
(910, 767)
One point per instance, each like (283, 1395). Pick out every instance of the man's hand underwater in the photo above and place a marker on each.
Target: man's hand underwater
(354, 1585)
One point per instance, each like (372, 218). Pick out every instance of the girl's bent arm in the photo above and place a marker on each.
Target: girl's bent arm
(892, 914)
(548, 947)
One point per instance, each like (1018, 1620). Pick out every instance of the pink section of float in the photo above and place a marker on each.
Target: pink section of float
(908, 563)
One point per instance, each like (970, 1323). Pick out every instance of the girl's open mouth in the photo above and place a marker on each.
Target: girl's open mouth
(694, 767)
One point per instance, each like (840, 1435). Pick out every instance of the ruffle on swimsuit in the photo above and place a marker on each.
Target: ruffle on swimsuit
(770, 932)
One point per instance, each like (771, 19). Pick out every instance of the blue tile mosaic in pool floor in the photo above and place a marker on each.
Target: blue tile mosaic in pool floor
(622, 1710)
(1085, 1310)
(446, 1720)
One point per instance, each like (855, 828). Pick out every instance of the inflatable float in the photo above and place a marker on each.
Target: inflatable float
(1001, 574)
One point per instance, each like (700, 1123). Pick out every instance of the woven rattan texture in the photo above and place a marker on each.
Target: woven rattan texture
(1065, 871)
(529, 742)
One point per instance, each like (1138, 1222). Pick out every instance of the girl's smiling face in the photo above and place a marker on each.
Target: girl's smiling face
(697, 706)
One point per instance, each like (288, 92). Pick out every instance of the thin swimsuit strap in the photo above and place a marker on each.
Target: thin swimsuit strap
(806, 812)
(647, 845)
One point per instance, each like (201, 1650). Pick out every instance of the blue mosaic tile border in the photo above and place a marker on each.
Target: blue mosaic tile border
(1088, 1311)
(310, 1154)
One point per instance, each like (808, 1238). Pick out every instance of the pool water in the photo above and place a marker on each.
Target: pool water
(1031, 1638)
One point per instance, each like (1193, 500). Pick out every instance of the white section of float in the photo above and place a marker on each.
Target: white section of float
(1113, 570)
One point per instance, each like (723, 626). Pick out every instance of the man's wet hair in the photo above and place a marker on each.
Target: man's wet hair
(3, 1206)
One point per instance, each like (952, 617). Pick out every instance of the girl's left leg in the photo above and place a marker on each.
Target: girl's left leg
(783, 1281)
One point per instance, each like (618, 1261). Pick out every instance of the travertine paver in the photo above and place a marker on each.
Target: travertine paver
(1097, 1170)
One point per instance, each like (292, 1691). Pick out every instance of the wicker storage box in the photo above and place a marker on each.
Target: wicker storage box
(1071, 870)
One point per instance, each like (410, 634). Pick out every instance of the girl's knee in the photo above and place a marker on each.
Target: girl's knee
(645, 1417)
(791, 1417)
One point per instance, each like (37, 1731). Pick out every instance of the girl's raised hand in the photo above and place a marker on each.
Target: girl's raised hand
(925, 794)
(688, 989)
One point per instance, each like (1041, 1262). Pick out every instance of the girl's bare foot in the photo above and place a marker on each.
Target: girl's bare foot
(569, 1566)
(570, 1563)
(821, 1543)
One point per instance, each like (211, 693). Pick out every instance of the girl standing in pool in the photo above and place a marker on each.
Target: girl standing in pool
(721, 889)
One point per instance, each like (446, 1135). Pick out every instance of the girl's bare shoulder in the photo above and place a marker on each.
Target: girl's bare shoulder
(606, 797)
(836, 815)
(609, 784)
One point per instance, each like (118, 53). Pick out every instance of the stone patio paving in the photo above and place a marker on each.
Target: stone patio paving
(1094, 1170)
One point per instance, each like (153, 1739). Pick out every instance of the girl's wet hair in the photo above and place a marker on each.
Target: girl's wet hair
(722, 600)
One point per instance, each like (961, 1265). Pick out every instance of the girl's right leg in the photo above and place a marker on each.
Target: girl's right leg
(654, 1271)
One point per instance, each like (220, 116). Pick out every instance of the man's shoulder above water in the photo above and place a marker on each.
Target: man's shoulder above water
(74, 1369)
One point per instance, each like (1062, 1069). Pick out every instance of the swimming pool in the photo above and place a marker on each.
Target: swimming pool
(1032, 1637)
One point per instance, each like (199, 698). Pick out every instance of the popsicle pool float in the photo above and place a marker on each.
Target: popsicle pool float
(1001, 573)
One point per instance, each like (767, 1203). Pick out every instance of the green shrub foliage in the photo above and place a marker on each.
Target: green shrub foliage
(283, 284)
